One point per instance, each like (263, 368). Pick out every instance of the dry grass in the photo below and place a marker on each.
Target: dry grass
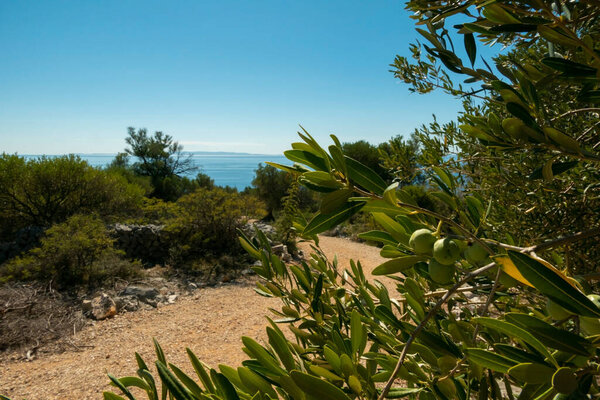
(34, 318)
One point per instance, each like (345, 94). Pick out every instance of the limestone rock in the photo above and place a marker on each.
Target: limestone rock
(143, 293)
(103, 307)
(127, 303)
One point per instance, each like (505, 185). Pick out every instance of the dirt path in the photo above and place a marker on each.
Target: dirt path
(210, 323)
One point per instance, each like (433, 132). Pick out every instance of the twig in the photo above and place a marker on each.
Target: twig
(579, 110)
(488, 302)
(575, 237)
(564, 240)
(438, 293)
(422, 324)
(588, 131)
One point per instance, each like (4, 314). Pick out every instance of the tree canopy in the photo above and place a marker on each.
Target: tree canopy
(161, 158)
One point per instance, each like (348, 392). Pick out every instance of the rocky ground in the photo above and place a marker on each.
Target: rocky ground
(210, 321)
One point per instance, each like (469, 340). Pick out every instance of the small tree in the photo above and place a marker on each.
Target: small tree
(367, 154)
(271, 186)
(161, 158)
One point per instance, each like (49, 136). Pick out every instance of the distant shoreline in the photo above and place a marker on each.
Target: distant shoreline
(225, 168)
(203, 153)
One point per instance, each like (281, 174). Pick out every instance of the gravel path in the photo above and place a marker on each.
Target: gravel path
(211, 323)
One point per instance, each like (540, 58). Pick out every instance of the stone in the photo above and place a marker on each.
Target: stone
(86, 305)
(172, 298)
(127, 303)
(103, 307)
(164, 290)
(142, 293)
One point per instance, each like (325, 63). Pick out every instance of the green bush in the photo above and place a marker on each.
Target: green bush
(78, 251)
(205, 223)
(48, 190)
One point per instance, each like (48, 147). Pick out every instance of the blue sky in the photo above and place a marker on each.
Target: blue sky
(216, 75)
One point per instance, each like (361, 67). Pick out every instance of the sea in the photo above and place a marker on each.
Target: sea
(226, 169)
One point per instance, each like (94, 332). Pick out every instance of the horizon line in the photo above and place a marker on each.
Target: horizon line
(114, 154)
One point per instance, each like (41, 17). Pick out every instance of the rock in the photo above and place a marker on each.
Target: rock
(127, 303)
(142, 293)
(248, 271)
(172, 298)
(164, 290)
(153, 302)
(103, 307)
(86, 305)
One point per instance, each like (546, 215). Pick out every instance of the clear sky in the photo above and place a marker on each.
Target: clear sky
(216, 75)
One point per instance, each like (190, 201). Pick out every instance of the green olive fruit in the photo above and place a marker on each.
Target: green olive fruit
(564, 380)
(556, 312)
(475, 254)
(476, 370)
(440, 273)
(507, 281)
(421, 241)
(462, 244)
(446, 386)
(446, 251)
(589, 326)
(446, 363)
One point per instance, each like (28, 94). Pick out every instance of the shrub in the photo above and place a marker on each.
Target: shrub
(155, 211)
(284, 224)
(205, 223)
(78, 251)
(48, 190)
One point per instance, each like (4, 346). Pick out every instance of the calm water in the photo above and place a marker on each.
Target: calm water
(227, 169)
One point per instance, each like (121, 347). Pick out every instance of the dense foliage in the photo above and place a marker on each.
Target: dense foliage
(489, 304)
(205, 222)
(527, 141)
(48, 190)
(161, 159)
(272, 186)
(75, 252)
(368, 155)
